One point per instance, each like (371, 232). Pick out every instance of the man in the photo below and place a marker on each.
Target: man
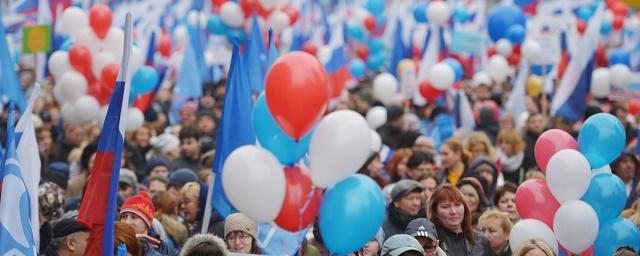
(69, 238)
(392, 130)
(138, 211)
(418, 164)
(178, 179)
(157, 184)
(402, 245)
(425, 232)
(189, 150)
(207, 127)
(405, 206)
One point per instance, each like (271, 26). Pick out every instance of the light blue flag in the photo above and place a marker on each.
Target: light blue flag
(10, 84)
(197, 41)
(254, 58)
(273, 51)
(189, 83)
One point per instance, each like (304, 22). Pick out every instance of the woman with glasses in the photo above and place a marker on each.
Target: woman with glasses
(240, 234)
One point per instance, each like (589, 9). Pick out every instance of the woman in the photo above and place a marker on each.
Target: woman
(166, 213)
(505, 200)
(454, 161)
(397, 166)
(138, 211)
(204, 244)
(511, 155)
(474, 196)
(479, 145)
(194, 197)
(496, 226)
(507, 122)
(125, 234)
(373, 168)
(627, 168)
(449, 212)
(486, 169)
(429, 181)
(534, 247)
(418, 164)
(240, 233)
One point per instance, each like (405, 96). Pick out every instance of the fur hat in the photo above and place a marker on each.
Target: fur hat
(240, 222)
(200, 240)
(141, 206)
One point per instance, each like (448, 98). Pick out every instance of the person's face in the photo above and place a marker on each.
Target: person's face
(142, 137)
(536, 124)
(188, 117)
(375, 167)
(160, 170)
(371, 248)
(423, 168)
(535, 252)
(428, 245)
(125, 190)
(492, 229)
(506, 147)
(506, 124)
(450, 214)
(449, 158)
(429, 186)
(75, 135)
(507, 204)
(77, 243)
(239, 242)
(626, 169)
(479, 149)
(206, 125)
(402, 167)
(486, 172)
(470, 197)
(621, 114)
(156, 186)
(136, 222)
(190, 148)
(189, 208)
(483, 93)
(44, 140)
(410, 203)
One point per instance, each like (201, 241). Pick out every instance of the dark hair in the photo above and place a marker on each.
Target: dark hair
(189, 132)
(418, 158)
(429, 175)
(87, 152)
(507, 187)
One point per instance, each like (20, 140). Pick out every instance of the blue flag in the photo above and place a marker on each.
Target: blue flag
(398, 52)
(10, 84)
(273, 51)
(235, 128)
(254, 58)
(151, 50)
(189, 83)
(197, 41)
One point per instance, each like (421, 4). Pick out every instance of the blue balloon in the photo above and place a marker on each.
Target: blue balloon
(271, 136)
(455, 65)
(357, 68)
(215, 25)
(460, 15)
(501, 18)
(606, 195)
(585, 13)
(516, 33)
(235, 34)
(619, 56)
(615, 234)
(420, 12)
(541, 70)
(376, 62)
(605, 28)
(381, 19)
(144, 80)
(601, 139)
(375, 6)
(376, 46)
(351, 213)
(356, 32)
(67, 44)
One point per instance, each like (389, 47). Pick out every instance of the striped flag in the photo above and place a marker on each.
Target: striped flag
(98, 207)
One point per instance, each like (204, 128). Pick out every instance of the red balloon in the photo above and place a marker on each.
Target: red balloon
(370, 22)
(516, 48)
(100, 19)
(164, 46)
(428, 91)
(310, 48)
(297, 91)
(581, 26)
(618, 22)
(292, 12)
(491, 51)
(601, 57)
(416, 52)
(549, 143)
(534, 200)
(218, 3)
(619, 9)
(301, 202)
(634, 107)
(249, 6)
(263, 12)
(109, 75)
(80, 58)
(513, 59)
(362, 51)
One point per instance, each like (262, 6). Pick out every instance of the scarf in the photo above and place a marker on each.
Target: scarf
(510, 164)
(400, 219)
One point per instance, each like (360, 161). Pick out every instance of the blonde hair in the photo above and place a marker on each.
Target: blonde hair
(455, 145)
(512, 138)
(538, 175)
(190, 189)
(534, 244)
(505, 222)
(482, 138)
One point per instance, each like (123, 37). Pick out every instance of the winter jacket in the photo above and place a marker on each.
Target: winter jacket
(395, 222)
(455, 244)
(148, 250)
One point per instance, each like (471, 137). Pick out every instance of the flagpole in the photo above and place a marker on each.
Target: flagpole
(207, 209)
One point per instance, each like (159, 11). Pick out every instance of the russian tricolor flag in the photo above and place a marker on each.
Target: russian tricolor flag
(98, 207)
(338, 71)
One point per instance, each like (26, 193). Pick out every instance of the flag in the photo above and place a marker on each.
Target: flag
(143, 101)
(399, 51)
(16, 235)
(516, 103)
(430, 53)
(27, 150)
(24, 7)
(254, 58)
(98, 207)
(195, 34)
(234, 130)
(41, 38)
(189, 83)
(36, 39)
(151, 50)
(10, 84)
(273, 53)
(338, 70)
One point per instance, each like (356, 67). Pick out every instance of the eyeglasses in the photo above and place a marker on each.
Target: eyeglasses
(243, 237)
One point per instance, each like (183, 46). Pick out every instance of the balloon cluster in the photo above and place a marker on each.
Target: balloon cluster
(442, 76)
(617, 75)
(579, 204)
(337, 145)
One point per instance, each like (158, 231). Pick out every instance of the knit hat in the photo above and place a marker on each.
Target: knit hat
(201, 240)
(51, 199)
(58, 173)
(181, 177)
(128, 177)
(153, 163)
(404, 187)
(240, 222)
(141, 206)
(165, 142)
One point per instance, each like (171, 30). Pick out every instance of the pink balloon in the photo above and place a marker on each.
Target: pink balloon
(534, 200)
(549, 143)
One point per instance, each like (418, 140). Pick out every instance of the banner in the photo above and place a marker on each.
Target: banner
(36, 39)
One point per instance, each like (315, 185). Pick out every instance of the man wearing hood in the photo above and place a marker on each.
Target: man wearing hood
(406, 205)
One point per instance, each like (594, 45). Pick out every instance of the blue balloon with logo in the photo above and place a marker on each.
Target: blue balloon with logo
(277, 241)
(615, 234)
(606, 195)
(216, 26)
(357, 68)
(271, 136)
(601, 139)
(420, 12)
(516, 33)
(144, 80)
(351, 213)
(619, 56)
(501, 18)
(456, 66)
(375, 6)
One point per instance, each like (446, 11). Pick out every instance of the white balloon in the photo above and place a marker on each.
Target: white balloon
(339, 146)
(532, 229)
(114, 43)
(504, 47)
(193, 18)
(89, 39)
(568, 175)
(279, 21)
(620, 75)
(376, 117)
(532, 51)
(58, 94)
(385, 87)
(481, 78)
(576, 226)
(360, 14)
(254, 182)
(231, 14)
(135, 119)
(68, 112)
(87, 109)
(59, 64)
(181, 35)
(442, 75)
(101, 60)
(498, 68)
(438, 13)
(136, 60)
(608, 15)
(74, 20)
(73, 85)
(633, 23)
(376, 142)
(278, 4)
(600, 82)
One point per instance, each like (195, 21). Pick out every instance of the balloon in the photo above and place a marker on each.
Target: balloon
(114, 43)
(67, 44)
(271, 137)
(501, 18)
(385, 87)
(68, 112)
(351, 213)
(429, 92)
(551, 142)
(516, 33)
(370, 23)
(74, 20)
(376, 117)
(532, 51)
(301, 201)
(503, 47)
(59, 64)
(293, 14)
(528, 229)
(254, 183)
(581, 26)
(135, 119)
(584, 13)
(232, 14)
(357, 68)
(535, 84)
(620, 75)
(100, 19)
(534, 200)
(634, 107)
(605, 27)
(278, 21)
(339, 147)
(568, 175)
(441, 76)
(72, 85)
(420, 12)
(249, 6)
(101, 60)
(498, 68)
(456, 66)
(136, 60)
(376, 61)
(376, 45)
(619, 9)
(310, 48)
(600, 82)
(376, 142)
(438, 12)
(109, 74)
(601, 139)
(375, 6)
(481, 78)
(619, 56)
(86, 108)
(615, 234)
(356, 32)
(617, 23)
(144, 80)
(362, 51)
(576, 226)
(216, 26)
(607, 195)
(293, 77)
(164, 46)
(460, 15)
(80, 59)
(236, 34)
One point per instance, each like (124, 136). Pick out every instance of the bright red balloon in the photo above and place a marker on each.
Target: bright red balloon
(581, 26)
(601, 57)
(292, 12)
(301, 202)
(549, 143)
(297, 91)
(362, 51)
(370, 22)
(218, 3)
(100, 19)
(310, 48)
(491, 51)
(634, 107)
(534, 200)
(619, 9)
(164, 46)
(80, 58)
(249, 6)
(428, 91)
(514, 59)
(109, 75)
(618, 22)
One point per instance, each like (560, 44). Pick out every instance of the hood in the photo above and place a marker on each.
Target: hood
(173, 229)
(199, 239)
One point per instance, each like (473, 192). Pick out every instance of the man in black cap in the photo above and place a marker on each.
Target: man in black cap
(406, 205)
(69, 238)
(425, 232)
(392, 130)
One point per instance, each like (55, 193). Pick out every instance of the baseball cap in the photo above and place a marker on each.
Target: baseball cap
(404, 187)
(399, 244)
(422, 227)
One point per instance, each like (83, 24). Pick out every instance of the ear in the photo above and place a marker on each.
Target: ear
(396, 203)
(71, 244)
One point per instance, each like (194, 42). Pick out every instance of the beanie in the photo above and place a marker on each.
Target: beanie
(181, 177)
(141, 206)
(240, 222)
(153, 163)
